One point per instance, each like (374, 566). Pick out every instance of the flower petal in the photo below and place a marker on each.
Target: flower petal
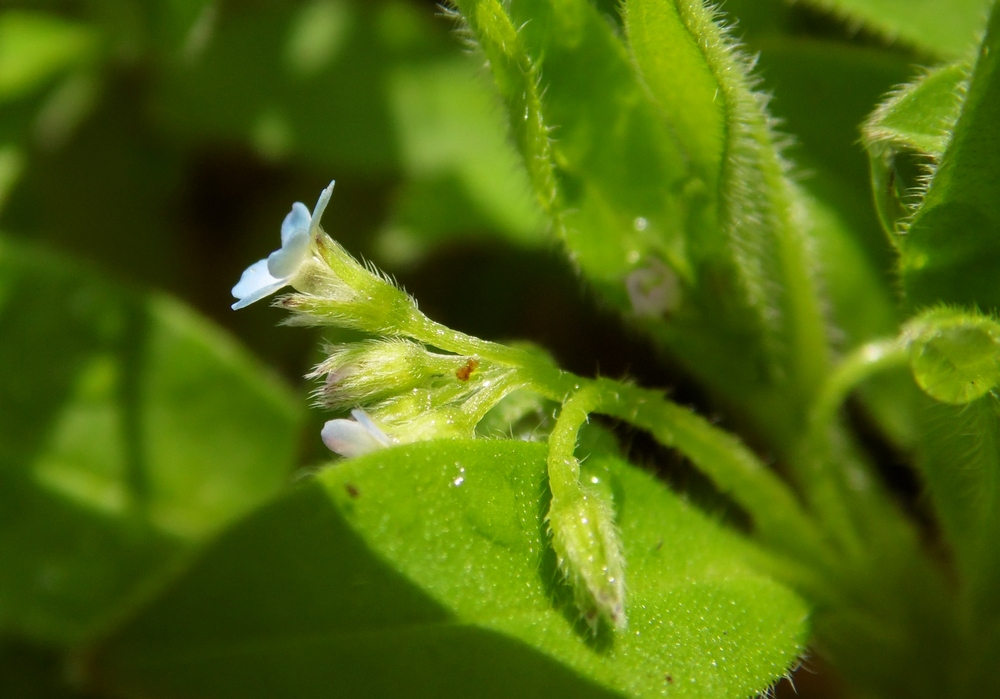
(324, 199)
(284, 263)
(362, 417)
(297, 221)
(351, 438)
(255, 283)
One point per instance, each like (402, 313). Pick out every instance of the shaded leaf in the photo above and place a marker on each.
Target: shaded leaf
(35, 47)
(132, 430)
(425, 570)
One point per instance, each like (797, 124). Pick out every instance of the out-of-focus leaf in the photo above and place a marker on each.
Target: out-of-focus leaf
(425, 571)
(268, 77)
(371, 88)
(462, 171)
(35, 47)
(807, 76)
(28, 672)
(956, 360)
(946, 28)
(952, 250)
(131, 430)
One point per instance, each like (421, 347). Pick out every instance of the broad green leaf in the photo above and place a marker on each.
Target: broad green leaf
(35, 47)
(425, 571)
(952, 248)
(940, 27)
(132, 430)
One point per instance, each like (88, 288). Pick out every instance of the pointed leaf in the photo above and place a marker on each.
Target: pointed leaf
(944, 215)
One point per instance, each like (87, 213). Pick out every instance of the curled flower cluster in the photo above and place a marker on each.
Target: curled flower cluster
(399, 391)
(400, 388)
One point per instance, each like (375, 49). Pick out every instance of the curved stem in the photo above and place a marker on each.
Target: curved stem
(822, 450)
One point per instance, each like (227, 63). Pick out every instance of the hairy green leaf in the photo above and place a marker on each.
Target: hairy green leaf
(131, 430)
(666, 186)
(906, 138)
(425, 570)
(939, 27)
(952, 248)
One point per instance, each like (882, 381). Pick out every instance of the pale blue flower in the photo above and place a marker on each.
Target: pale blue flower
(354, 437)
(298, 231)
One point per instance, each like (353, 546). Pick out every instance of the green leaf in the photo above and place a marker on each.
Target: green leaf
(960, 458)
(939, 27)
(952, 248)
(464, 177)
(35, 47)
(955, 358)
(761, 227)
(132, 431)
(906, 138)
(666, 187)
(807, 76)
(425, 570)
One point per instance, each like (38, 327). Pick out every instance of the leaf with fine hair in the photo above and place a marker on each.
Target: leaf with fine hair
(425, 571)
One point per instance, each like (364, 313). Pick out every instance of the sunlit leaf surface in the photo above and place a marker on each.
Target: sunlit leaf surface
(426, 571)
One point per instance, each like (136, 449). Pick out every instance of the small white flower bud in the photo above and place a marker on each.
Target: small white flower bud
(354, 437)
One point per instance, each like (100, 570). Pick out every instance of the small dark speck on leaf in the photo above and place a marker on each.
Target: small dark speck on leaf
(352, 490)
(669, 679)
(465, 372)
(659, 545)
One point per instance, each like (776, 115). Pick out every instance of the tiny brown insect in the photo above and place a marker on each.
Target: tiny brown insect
(465, 372)
(352, 490)
(670, 679)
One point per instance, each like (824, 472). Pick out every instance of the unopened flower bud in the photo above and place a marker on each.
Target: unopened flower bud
(367, 372)
(354, 437)
(589, 553)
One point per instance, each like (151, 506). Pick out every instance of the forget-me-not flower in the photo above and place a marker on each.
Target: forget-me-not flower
(298, 232)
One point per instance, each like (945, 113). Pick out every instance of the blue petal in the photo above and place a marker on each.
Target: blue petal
(284, 263)
(297, 221)
(255, 283)
(324, 199)
(362, 417)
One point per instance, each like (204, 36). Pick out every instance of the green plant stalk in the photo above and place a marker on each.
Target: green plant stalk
(777, 514)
